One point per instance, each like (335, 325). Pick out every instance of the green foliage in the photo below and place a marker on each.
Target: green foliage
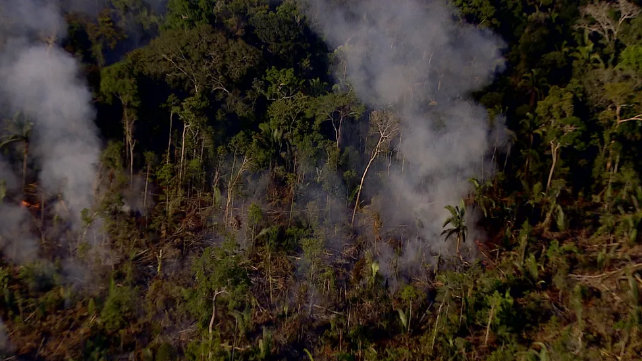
(38, 276)
(457, 222)
(281, 83)
(312, 258)
(255, 214)
(185, 14)
(111, 156)
(279, 30)
(165, 352)
(119, 81)
(3, 189)
(200, 59)
(241, 134)
(136, 12)
(308, 354)
(218, 270)
(631, 57)
(119, 307)
(481, 12)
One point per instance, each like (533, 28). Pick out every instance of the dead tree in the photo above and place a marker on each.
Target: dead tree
(385, 126)
(598, 17)
(235, 177)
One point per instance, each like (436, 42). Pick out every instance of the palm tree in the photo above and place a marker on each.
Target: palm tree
(457, 222)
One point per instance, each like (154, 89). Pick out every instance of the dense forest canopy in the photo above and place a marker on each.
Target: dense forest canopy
(320, 180)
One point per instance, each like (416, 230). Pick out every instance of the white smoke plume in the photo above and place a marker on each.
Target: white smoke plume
(42, 90)
(42, 82)
(415, 58)
(16, 241)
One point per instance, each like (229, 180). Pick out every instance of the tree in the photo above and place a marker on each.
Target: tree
(241, 162)
(198, 59)
(187, 14)
(119, 306)
(287, 125)
(281, 84)
(337, 108)
(173, 104)
(219, 274)
(104, 34)
(480, 12)
(134, 14)
(558, 124)
(385, 126)
(195, 131)
(118, 81)
(606, 19)
(281, 32)
(457, 222)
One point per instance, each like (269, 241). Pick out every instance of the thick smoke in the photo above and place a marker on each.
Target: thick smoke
(16, 242)
(414, 58)
(44, 102)
(41, 82)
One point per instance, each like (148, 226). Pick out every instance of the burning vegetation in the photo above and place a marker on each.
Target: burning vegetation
(320, 179)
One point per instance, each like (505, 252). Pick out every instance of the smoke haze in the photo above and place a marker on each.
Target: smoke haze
(41, 84)
(415, 58)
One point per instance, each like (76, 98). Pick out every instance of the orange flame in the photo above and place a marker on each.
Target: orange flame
(30, 205)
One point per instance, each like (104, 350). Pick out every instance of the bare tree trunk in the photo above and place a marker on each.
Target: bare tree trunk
(409, 316)
(554, 154)
(25, 154)
(434, 332)
(201, 179)
(130, 142)
(125, 132)
(337, 129)
(180, 170)
(131, 161)
(228, 200)
(403, 156)
(146, 185)
(169, 141)
(210, 327)
(233, 181)
(42, 217)
(293, 190)
(363, 177)
(490, 319)
(386, 126)
(159, 259)
(270, 276)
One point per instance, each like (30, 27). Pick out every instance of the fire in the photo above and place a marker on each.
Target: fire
(30, 205)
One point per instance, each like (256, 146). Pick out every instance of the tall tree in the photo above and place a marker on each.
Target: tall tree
(118, 81)
(384, 126)
(337, 109)
(198, 60)
(558, 124)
